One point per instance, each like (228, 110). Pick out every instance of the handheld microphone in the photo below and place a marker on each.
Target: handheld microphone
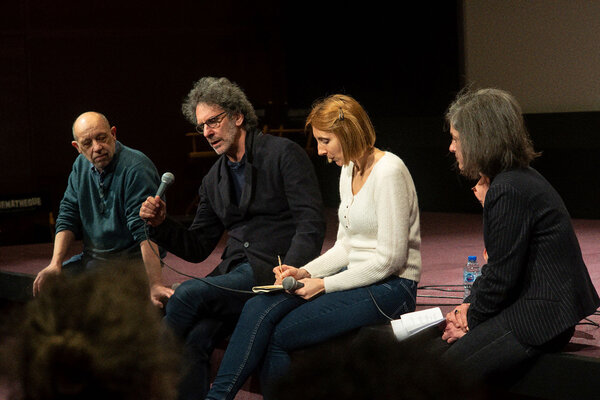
(291, 284)
(166, 180)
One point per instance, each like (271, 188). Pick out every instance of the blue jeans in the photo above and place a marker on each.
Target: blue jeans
(273, 325)
(80, 263)
(201, 315)
(83, 263)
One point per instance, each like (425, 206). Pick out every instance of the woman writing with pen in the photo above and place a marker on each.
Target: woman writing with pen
(370, 274)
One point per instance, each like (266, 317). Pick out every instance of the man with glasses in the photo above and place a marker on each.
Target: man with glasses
(101, 204)
(263, 191)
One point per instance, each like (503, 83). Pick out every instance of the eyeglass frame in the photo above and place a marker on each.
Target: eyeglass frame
(212, 122)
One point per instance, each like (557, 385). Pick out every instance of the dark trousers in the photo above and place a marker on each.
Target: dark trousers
(202, 315)
(489, 356)
(82, 262)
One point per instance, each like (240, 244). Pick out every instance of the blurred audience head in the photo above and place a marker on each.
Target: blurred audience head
(94, 336)
(373, 367)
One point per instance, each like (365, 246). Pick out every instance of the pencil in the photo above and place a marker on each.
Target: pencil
(280, 269)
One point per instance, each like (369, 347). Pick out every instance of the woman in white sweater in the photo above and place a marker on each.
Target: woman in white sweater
(369, 276)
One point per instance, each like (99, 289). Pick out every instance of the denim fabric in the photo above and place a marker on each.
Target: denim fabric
(201, 314)
(80, 263)
(272, 325)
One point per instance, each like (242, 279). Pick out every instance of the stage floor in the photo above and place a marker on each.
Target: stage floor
(447, 239)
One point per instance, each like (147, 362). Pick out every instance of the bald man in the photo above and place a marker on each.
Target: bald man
(106, 186)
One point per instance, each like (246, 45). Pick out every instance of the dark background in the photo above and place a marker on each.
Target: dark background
(135, 62)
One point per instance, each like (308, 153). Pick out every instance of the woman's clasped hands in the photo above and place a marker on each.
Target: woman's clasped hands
(456, 323)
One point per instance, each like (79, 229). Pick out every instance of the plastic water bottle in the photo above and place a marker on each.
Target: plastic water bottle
(470, 273)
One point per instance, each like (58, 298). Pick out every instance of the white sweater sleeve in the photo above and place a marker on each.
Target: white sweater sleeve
(332, 260)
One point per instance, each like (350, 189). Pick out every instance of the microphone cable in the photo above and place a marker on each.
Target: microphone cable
(589, 322)
(379, 308)
(440, 288)
(163, 263)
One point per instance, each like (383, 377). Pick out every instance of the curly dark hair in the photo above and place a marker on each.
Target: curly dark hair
(223, 93)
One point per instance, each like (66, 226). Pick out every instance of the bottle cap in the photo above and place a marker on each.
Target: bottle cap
(472, 259)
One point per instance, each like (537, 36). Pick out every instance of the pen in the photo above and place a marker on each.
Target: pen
(279, 259)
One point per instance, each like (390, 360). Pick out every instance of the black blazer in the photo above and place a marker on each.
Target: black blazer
(280, 212)
(535, 279)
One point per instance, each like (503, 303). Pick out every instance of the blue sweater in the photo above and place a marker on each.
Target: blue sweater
(104, 208)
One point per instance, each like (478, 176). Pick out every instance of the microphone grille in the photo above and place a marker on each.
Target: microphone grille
(288, 283)
(168, 178)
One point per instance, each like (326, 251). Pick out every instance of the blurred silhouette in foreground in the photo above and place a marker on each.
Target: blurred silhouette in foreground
(375, 366)
(94, 336)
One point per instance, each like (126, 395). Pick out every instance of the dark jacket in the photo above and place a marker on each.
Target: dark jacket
(535, 280)
(280, 212)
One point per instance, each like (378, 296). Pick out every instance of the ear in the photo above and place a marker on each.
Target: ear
(113, 132)
(239, 120)
(76, 145)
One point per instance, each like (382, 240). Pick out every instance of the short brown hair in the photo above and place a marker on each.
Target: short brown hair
(493, 137)
(347, 120)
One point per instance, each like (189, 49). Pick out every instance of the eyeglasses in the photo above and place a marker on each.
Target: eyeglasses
(212, 122)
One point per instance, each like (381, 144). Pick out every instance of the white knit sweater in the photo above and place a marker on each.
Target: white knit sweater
(378, 233)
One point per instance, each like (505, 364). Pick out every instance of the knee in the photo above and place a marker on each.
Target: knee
(188, 289)
(256, 304)
(264, 310)
(184, 306)
(277, 344)
(190, 294)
